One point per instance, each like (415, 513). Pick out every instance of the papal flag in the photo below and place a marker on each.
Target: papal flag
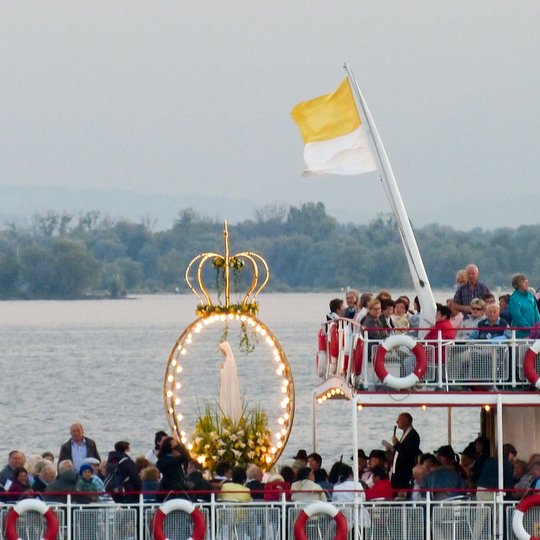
(336, 141)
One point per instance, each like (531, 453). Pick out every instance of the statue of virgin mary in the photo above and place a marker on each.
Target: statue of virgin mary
(230, 401)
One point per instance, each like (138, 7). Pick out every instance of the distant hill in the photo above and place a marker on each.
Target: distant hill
(18, 203)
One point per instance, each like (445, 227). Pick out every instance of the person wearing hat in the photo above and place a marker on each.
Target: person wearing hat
(96, 480)
(85, 484)
(444, 479)
(406, 450)
(468, 458)
(377, 458)
(300, 460)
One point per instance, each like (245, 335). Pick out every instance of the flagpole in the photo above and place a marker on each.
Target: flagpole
(412, 253)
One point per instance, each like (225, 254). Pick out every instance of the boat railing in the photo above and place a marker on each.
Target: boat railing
(457, 518)
(452, 364)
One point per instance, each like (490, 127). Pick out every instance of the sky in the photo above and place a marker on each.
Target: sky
(187, 99)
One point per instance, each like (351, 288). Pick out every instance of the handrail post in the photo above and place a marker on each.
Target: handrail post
(514, 359)
(213, 515)
(68, 517)
(283, 507)
(141, 516)
(439, 359)
(365, 360)
(428, 515)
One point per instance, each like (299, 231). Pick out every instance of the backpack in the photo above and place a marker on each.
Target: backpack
(114, 481)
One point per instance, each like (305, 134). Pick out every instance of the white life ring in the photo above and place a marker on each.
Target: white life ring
(517, 520)
(320, 508)
(199, 526)
(400, 383)
(528, 364)
(31, 505)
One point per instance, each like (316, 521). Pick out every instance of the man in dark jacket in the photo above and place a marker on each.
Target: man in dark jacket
(128, 473)
(406, 449)
(78, 448)
(65, 482)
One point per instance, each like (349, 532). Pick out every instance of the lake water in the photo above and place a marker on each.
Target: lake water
(102, 362)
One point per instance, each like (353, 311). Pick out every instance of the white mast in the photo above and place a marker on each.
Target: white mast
(414, 259)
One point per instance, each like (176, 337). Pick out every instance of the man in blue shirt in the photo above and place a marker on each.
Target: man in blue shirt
(78, 448)
(472, 289)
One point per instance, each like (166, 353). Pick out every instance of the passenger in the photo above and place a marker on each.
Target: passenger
(489, 299)
(344, 490)
(387, 310)
(483, 453)
(128, 470)
(492, 327)
(520, 467)
(172, 462)
(86, 486)
(150, 483)
(456, 318)
(321, 479)
(414, 319)
(141, 463)
(235, 490)
(78, 447)
(365, 298)
(372, 321)
(195, 481)
(505, 312)
(526, 479)
(151, 455)
(476, 315)
(300, 460)
(472, 289)
(49, 456)
(336, 309)
(19, 485)
(314, 461)
(444, 480)
(254, 476)
(222, 474)
(305, 488)
(442, 329)
(377, 458)
(522, 305)
(66, 481)
(352, 296)
(400, 318)
(419, 472)
(46, 476)
(461, 278)
(16, 459)
(384, 295)
(382, 488)
(275, 487)
(467, 461)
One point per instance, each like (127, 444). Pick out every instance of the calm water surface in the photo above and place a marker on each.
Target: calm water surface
(102, 362)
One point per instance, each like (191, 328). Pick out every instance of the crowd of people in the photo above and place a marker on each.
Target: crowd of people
(473, 313)
(399, 471)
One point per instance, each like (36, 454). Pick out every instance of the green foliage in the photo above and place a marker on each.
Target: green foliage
(59, 256)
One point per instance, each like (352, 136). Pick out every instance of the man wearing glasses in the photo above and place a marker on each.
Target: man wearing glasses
(470, 290)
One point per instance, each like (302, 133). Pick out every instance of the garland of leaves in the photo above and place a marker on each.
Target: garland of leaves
(218, 438)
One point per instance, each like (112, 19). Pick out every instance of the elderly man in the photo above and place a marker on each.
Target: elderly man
(492, 327)
(78, 448)
(406, 449)
(15, 459)
(352, 297)
(472, 289)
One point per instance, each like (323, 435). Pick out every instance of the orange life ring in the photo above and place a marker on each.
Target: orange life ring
(31, 505)
(358, 355)
(199, 526)
(320, 508)
(334, 340)
(517, 520)
(400, 383)
(528, 364)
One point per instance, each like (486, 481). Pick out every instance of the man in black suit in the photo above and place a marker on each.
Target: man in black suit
(78, 448)
(406, 450)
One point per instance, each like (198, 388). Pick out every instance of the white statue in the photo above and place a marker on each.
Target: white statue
(230, 401)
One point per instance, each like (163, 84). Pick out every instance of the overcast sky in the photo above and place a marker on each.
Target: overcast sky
(194, 97)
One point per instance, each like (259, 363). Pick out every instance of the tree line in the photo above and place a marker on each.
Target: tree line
(58, 255)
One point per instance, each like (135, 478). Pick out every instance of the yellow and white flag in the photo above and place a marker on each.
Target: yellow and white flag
(335, 139)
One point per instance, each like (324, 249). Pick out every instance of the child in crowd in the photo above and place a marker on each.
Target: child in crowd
(85, 484)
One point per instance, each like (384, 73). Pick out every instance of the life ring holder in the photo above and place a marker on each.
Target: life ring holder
(199, 526)
(31, 505)
(528, 364)
(400, 383)
(320, 508)
(517, 520)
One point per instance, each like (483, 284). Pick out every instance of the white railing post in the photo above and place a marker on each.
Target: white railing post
(283, 507)
(514, 358)
(365, 360)
(213, 516)
(427, 510)
(141, 516)
(439, 359)
(69, 531)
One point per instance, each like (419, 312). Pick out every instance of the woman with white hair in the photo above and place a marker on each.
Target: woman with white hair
(523, 306)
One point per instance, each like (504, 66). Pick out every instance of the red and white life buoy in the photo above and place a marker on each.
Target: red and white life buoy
(528, 364)
(322, 355)
(400, 383)
(31, 505)
(320, 508)
(358, 354)
(517, 520)
(199, 526)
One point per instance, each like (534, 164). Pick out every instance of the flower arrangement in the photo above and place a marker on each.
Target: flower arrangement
(217, 438)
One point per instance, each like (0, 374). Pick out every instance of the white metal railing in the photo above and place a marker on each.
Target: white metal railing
(452, 364)
(458, 518)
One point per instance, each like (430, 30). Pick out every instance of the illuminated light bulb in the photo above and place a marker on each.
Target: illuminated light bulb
(169, 393)
(183, 433)
(183, 352)
(243, 318)
(286, 382)
(201, 459)
(179, 348)
(282, 366)
(286, 400)
(264, 332)
(173, 363)
(273, 450)
(179, 417)
(179, 369)
(284, 389)
(284, 431)
(183, 440)
(281, 421)
(206, 322)
(487, 408)
(171, 410)
(269, 340)
(268, 459)
(279, 444)
(424, 407)
(177, 401)
(190, 446)
(360, 407)
(237, 317)
(174, 427)
(278, 435)
(230, 316)
(222, 318)
(170, 378)
(178, 386)
(333, 391)
(278, 371)
(324, 398)
(286, 416)
(197, 330)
